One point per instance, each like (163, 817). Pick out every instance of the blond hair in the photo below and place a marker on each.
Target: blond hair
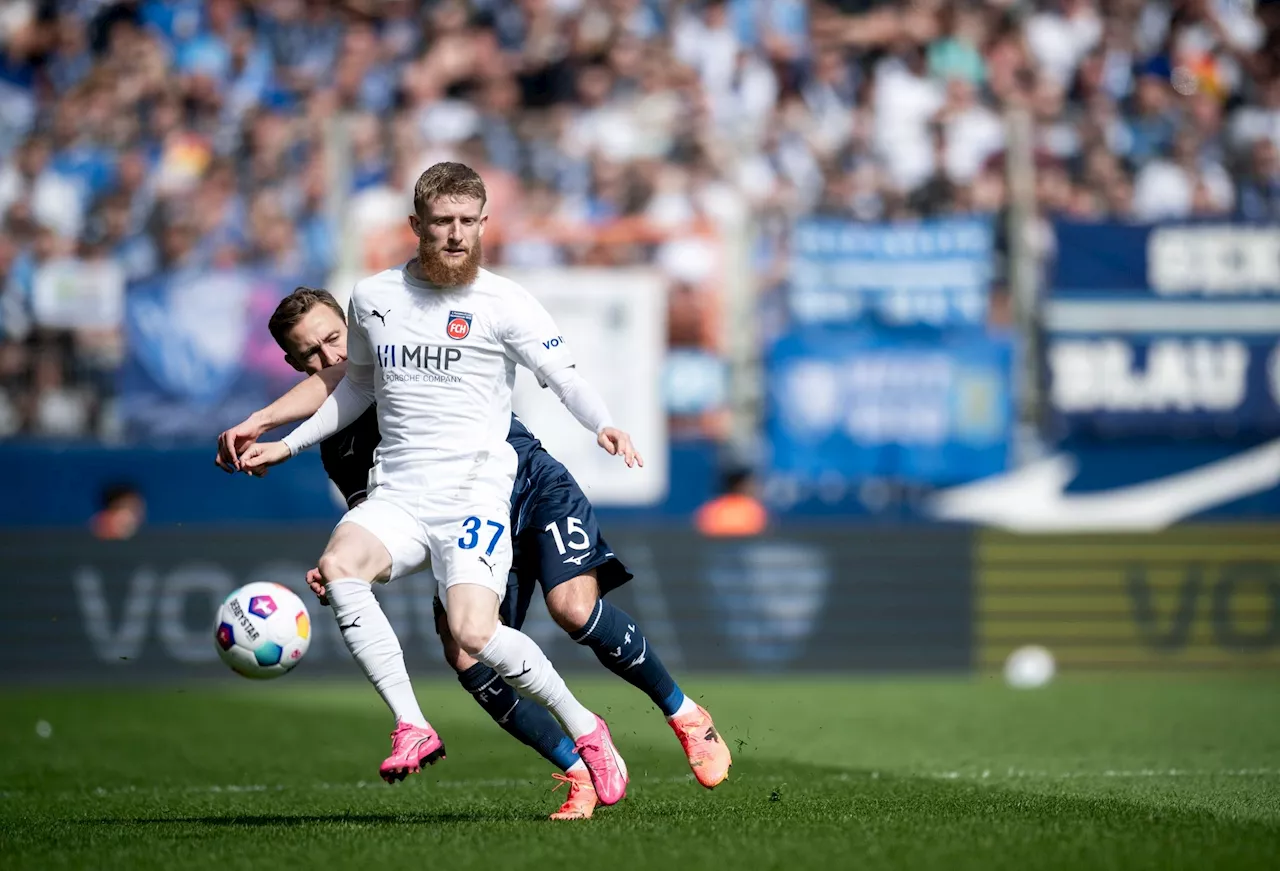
(447, 180)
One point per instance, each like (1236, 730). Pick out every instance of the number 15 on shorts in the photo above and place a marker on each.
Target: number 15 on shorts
(471, 527)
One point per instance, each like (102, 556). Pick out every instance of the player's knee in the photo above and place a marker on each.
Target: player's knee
(336, 564)
(572, 603)
(472, 632)
(354, 552)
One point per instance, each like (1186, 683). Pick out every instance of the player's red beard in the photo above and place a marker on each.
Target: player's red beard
(443, 273)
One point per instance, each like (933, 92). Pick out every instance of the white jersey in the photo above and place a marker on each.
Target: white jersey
(443, 369)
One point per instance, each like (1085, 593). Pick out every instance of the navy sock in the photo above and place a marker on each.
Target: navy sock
(525, 719)
(612, 635)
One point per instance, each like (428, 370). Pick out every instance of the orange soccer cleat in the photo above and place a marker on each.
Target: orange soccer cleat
(708, 756)
(582, 801)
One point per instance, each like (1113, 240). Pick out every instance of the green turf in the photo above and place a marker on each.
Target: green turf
(1116, 773)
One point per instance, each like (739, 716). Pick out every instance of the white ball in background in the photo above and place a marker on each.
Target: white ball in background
(1029, 667)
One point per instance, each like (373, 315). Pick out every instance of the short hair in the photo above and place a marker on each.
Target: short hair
(115, 493)
(447, 180)
(294, 307)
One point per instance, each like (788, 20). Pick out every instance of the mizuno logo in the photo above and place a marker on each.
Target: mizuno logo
(577, 560)
(354, 624)
(639, 660)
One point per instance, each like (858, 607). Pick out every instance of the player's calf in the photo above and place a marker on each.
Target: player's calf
(352, 559)
(618, 642)
(523, 665)
(523, 719)
(615, 638)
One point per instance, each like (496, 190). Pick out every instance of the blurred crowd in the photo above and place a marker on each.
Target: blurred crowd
(149, 137)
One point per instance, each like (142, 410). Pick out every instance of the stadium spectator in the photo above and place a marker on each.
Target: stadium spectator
(737, 512)
(281, 135)
(122, 512)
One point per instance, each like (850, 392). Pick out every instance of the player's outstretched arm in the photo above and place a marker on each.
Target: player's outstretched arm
(349, 400)
(300, 402)
(588, 407)
(530, 337)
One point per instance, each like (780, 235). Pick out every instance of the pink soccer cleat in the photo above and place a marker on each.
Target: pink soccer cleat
(604, 762)
(411, 746)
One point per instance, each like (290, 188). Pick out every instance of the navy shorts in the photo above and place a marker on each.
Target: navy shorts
(557, 539)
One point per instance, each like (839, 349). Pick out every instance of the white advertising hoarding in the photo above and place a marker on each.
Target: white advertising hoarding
(614, 321)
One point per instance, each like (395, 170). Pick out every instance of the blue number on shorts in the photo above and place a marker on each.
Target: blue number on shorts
(497, 533)
(472, 526)
(472, 538)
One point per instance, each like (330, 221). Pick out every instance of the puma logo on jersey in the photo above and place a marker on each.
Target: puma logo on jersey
(382, 316)
(487, 564)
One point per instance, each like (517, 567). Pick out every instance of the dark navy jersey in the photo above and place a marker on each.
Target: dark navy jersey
(348, 456)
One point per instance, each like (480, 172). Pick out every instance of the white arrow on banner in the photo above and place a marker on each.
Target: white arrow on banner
(1032, 499)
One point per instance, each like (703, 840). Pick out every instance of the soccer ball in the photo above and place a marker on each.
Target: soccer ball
(1029, 667)
(262, 630)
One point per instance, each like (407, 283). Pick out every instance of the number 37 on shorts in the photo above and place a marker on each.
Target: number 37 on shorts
(475, 532)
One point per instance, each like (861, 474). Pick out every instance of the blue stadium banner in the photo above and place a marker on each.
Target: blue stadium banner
(1164, 330)
(199, 357)
(928, 273)
(917, 407)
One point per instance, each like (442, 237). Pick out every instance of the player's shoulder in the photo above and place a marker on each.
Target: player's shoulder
(500, 289)
(377, 284)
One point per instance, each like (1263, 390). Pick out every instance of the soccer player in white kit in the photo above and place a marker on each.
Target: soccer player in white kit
(435, 343)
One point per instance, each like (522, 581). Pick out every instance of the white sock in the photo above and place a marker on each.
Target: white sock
(523, 665)
(373, 643)
(577, 766)
(686, 707)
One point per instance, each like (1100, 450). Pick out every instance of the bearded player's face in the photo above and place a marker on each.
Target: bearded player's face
(449, 233)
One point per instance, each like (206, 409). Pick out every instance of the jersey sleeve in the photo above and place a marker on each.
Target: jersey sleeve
(359, 350)
(530, 337)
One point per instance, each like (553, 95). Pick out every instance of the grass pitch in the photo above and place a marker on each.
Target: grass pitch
(1122, 773)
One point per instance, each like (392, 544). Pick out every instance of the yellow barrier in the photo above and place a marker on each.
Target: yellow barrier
(1187, 598)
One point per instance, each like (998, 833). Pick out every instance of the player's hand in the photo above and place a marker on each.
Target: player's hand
(316, 583)
(234, 442)
(615, 441)
(262, 456)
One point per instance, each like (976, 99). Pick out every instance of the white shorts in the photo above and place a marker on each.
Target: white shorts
(467, 541)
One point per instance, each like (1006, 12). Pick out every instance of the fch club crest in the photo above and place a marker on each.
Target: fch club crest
(459, 325)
